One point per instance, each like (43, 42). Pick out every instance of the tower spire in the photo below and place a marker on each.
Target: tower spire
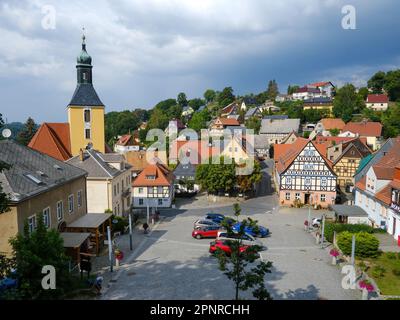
(83, 39)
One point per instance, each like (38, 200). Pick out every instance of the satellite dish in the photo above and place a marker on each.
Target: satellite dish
(6, 133)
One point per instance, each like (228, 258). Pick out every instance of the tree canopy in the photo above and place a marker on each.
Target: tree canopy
(347, 102)
(29, 130)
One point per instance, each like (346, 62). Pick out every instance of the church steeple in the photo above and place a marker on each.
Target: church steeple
(84, 95)
(84, 64)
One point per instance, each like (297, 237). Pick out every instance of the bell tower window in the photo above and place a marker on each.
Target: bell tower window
(87, 115)
(84, 76)
(87, 134)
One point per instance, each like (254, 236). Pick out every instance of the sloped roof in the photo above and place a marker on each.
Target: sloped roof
(334, 123)
(163, 177)
(279, 126)
(321, 84)
(385, 195)
(85, 95)
(185, 169)
(230, 108)
(229, 122)
(97, 164)
(252, 111)
(47, 172)
(364, 128)
(377, 98)
(138, 159)
(53, 139)
(308, 89)
(194, 150)
(361, 183)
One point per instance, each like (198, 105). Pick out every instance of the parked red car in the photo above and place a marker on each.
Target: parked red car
(205, 232)
(223, 245)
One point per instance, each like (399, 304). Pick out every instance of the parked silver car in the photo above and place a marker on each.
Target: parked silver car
(205, 223)
(246, 238)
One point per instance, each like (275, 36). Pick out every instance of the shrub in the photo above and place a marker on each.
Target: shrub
(362, 266)
(391, 255)
(396, 271)
(367, 245)
(118, 224)
(340, 227)
(378, 271)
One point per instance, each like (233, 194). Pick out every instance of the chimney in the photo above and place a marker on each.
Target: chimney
(81, 156)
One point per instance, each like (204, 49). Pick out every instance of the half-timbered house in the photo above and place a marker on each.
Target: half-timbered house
(303, 175)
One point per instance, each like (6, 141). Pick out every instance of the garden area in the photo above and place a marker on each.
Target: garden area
(382, 267)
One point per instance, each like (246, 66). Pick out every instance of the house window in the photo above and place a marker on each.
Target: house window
(159, 202)
(122, 184)
(60, 210)
(308, 181)
(87, 115)
(141, 202)
(323, 181)
(118, 208)
(71, 203)
(118, 188)
(322, 198)
(46, 217)
(287, 196)
(79, 198)
(115, 190)
(87, 134)
(297, 196)
(288, 180)
(141, 191)
(32, 223)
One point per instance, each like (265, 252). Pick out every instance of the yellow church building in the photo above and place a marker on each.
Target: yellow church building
(85, 125)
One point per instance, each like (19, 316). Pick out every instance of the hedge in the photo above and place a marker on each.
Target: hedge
(367, 244)
(340, 227)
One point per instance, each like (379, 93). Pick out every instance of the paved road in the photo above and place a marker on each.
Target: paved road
(170, 264)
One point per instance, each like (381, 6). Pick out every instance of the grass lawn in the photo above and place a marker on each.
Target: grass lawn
(381, 270)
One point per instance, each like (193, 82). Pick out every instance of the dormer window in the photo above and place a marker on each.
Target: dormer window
(151, 177)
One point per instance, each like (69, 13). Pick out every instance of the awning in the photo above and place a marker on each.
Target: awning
(349, 211)
(90, 221)
(74, 239)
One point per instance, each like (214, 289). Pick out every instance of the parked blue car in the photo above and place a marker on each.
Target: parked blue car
(216, 217)
(259, 232)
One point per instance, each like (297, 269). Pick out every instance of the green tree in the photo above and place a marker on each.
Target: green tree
(225, 97)
(209, 95)
(239, 265)
(158, 120)
(36, 249)
(254, 123)
(391, 121)
(1, 126)
(196, 103)
(216, 177)
(377, 82)
(347, 102)
(272, 90)
(363, 93)
(392, 85)
(26, 135)
(165, 104)
(246, 182)
(182, 100)
(199, 120)
(292, 89)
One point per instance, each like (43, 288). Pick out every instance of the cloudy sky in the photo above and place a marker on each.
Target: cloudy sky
(145, 51)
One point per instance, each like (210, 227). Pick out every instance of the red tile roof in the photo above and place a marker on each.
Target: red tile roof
(364, 128)
(333, 123)
(332, 140)
(320, 84)
(377, 98)
(53, 139)
(163, 176)
(229, 122)
(361, 183)
(195, 150)
(385, 195)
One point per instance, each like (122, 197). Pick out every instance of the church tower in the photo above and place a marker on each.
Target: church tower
(85, 111)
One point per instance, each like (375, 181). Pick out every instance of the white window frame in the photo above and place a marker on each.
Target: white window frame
(60, 210)
(324, 181)
(79, 198)
(297, 196)
(322, 198)
(70, 211)
(47, 213)
(287, 195)
(307, 181)
(32, 223)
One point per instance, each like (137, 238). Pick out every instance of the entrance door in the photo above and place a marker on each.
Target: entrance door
(307, 198)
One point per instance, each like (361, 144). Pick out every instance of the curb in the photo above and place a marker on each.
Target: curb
(130, 259)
